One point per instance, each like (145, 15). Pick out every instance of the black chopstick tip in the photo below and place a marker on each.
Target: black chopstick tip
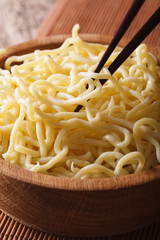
(78, 108)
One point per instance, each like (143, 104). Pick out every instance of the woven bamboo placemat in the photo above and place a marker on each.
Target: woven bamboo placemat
(94, 16)
(97, 16)
(13, 230)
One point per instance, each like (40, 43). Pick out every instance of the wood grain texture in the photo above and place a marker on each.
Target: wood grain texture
(97, 16)
(72, 207)
(79, 213)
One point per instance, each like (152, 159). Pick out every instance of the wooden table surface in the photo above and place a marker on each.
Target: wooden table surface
(22, 20)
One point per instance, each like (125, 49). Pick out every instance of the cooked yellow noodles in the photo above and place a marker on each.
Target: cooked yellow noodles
(116, 133)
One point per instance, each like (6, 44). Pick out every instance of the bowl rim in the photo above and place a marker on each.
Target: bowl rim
(53, 182)
(96, 184)
(57, 39)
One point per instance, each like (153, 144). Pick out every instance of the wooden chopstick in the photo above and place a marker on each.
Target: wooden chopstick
(131, 46)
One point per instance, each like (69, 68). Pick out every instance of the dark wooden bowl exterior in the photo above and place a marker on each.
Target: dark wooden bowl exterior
(72, 207)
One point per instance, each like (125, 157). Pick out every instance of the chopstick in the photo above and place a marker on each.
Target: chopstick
(131, 46)
(136, 40)
(132, 12)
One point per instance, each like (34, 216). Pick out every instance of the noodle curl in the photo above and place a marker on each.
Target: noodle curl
(116, 133)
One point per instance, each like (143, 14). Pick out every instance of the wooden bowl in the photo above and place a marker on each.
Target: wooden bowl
(72, 207)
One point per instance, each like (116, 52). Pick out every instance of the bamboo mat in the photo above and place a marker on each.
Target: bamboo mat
(94, 16)
(13, 230)
(97, 16)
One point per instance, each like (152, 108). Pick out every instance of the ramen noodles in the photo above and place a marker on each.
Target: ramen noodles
(117, 132)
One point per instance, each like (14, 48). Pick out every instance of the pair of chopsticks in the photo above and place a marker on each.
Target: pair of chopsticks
(132, 45)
